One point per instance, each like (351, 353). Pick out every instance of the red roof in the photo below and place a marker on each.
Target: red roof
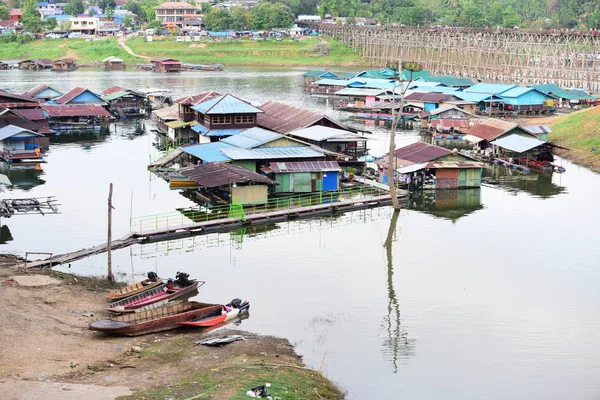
(282, 118)
(491, 128)
(216, 174)
(13, 96)
(71, 94)
(114, 89)
(83, 110)
(420, 152)
(33, 114)
(197, 98)
(6, 23)
(15, 12)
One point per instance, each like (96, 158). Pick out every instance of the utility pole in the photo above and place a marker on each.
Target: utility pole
(391, 157)
(110, 275)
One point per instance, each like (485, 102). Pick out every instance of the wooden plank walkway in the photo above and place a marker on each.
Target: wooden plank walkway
(197, 228)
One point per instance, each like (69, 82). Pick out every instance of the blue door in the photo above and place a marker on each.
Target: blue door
(330, 180)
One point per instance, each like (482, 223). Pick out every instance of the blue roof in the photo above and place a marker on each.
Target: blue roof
(226, 104)
(199, 129)
(208, 152)
(332, 82)
(518, 91)
(223, 132)
(372, 83)
(489, 88)
(252, 137)
(267, 153)
(475, 97)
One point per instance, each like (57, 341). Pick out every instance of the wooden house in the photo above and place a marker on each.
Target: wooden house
(218, 182)
(18, 144)
(78, 117)
(38, 117)
(80, 96)
(13, 100)
(43, 92)
(21, 118)
(565, 98)
(304, 177)
(36, 65)
(125, 102)
(312, 76)
(447, 112)
(429, 101)
(427, 166)
(526, 100)
(113, 62)
(165, 65)
(64, 65)
(361, 97)
(350, 144)
(223, 116)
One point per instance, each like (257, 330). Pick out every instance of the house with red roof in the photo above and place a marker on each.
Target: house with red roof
(175, 12)
(15, 15)
(81, 96)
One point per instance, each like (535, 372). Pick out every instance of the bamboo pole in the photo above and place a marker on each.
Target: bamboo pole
(391, 157)
(110, 275)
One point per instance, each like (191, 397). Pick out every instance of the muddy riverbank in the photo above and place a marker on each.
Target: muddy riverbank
(48, 348)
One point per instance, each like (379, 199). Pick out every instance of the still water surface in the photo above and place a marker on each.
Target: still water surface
(489, 293)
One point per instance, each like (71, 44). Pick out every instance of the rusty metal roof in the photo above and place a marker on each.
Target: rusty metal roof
(491, 128)
(114, 89)
(304, 166)
(197, 98)
(14, 96)
(420, 152)
(284, 118)
(32, 114)
(80, 110)
(71, 94)
(215, 174)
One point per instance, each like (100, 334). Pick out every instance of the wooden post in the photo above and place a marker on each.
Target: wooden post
(110, 275)
(391, 157)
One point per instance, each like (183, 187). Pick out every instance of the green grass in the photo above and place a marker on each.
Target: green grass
(580, 132)
(249, 52)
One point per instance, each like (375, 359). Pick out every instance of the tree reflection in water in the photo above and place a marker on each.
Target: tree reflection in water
(396, 346)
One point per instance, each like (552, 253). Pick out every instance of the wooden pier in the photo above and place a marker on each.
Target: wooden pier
(222, 225)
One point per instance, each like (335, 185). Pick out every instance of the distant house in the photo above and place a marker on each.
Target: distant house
(50, 9)
(362, 97)
(175, 11)
(125, 102)
(487, 132)
(526, 99)
(165, 64)
(433, 167)
(445, 112)
(37, 64)
(113, 62)
(566, 98)
(84, 24)
(15, 15)
(17, 144)
(312, 76)
(9, 64)
(64, 65)
(192, 25)
(429, 101)
(67, 117)
(42, 92)
(81, 95)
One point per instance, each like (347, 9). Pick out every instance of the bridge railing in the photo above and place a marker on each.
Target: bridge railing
(188, 218)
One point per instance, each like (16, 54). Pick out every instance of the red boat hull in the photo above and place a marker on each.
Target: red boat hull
(206, 322)
(166, 294)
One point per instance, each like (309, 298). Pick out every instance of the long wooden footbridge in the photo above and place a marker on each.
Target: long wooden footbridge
(187, 223)
(568, 59)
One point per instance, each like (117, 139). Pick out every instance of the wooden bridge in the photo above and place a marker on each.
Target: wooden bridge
(568, 59)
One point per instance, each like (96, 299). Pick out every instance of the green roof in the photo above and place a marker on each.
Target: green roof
(319, 74)
(448, 80)
(551, 88)
(115, 95)
(180, 124)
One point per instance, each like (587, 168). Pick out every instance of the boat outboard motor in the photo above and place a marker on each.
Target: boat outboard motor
(152, 275)
(235, 303)
(181, 278)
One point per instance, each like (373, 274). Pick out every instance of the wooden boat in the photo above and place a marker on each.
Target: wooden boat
(158, 320)
(230, 311)
(158, 294)
(152, 282)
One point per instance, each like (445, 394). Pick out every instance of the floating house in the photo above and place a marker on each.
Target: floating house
(113, 62)
(304, 177)
(566, 98)
(12, 117)
(19, 145)
(350, 144)
(479, 102)
(487, 131)
(522, 99)
(67, 117)
(221, 181)
(223, 116)
(13, 100)
(81, 96)
(36, 65)
(165, 65)
(64, 65)
(125, 102)
(313, 76)
(361, 97)
(38, 117)
(429, 101)
(490, 88)
(43, 92)
(432, 167)
(9, 64)
(445, 112)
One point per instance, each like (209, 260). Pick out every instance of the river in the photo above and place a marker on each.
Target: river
(489, 293)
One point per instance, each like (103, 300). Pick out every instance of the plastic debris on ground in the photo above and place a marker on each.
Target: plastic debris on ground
(260, 392)
(220, 341)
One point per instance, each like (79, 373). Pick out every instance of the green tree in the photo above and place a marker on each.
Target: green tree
(471, 15)
(109, 12)
(134, 7)
(3, 12)
(240, 18)
(74, 7)
(218, 20)
(50, 23)
(31, 17)
(128, 21)
(205, 8)
(510, 18)
(156, 25)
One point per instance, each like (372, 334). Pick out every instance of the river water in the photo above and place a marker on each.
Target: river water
(489, 293)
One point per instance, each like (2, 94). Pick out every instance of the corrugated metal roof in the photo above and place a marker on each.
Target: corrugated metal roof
(516, 92)
(444, 109)
(180, 124)
(332, 82)
(271, 153)
(319, 133)
(454, 164)
(447, 123)
(167, 113)
(115, 95)
(37, 89)
(537, 129)
(32, 114)
(316, 74)
(71, 94)
(563, 93)
(428, 97)
(420, 152)
(9, 95)
(360, 92)
(518, 143)
(223, 132)
(215, 174)
(11, 130)
(252, 137)
(489, 88)
(201, 129)
(208, 152)
(284, 118)
(113, 89)
(113, 59)
(476, 97)
(197, 98)
(304, 166)
(491, 128)
(226, 104)
(448, 80)
(80, 110)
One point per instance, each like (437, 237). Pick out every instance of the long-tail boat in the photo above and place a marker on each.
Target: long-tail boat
(151, 282)
(160, 319)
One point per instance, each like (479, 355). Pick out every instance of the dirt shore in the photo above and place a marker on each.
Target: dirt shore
(47, 348)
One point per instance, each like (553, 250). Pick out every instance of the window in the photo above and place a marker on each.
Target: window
(244, 119)
(221, 119)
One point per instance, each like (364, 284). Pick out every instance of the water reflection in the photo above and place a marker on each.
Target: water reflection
(396, 346)
(23, 176)
(447, 204)
(538, 184)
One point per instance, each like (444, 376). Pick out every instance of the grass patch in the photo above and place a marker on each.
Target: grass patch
(580, 132)
(249, 52)
(287, 383)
